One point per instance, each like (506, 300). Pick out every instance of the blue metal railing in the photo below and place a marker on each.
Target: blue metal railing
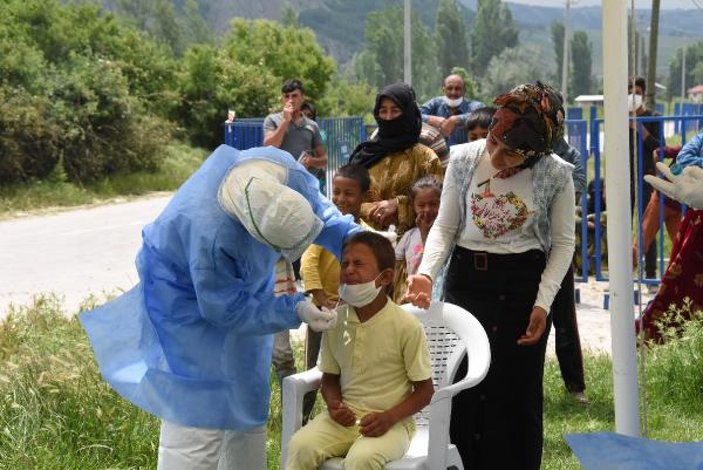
(341, 136)
(685, 126)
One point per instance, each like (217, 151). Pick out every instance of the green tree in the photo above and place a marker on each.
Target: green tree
(694, 56)
(195, 28)
(493, 31)
(286, 52)
(557, 30)
(344, 98)
(289, 17)
(245, 74)
(581, 64)
(450, 31)
(159, 18)
(510, 68)
(381, 61)
(83, 77)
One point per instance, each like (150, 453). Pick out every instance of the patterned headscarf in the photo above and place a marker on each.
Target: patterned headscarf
(529, 119)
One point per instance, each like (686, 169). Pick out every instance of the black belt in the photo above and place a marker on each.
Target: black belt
(483, 261)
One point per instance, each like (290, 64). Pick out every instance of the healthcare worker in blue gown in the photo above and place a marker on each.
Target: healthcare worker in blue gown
(191, 343)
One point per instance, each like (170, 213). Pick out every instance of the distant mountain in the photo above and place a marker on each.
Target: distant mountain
(339, 24)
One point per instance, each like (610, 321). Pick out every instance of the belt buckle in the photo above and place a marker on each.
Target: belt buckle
(481, 261)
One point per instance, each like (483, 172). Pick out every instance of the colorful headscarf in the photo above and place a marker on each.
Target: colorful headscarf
(529, 119)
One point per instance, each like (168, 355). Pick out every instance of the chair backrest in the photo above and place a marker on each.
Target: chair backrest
(446, 348)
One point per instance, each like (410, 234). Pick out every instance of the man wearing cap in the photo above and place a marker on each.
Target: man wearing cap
(191, 343)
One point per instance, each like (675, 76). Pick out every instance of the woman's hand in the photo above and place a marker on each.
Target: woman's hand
(419, 290)
(384, 213)
(536, 327)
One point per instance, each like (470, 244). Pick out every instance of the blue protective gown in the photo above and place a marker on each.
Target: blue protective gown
(191, 343)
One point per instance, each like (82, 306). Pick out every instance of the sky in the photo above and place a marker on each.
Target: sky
(664, 4)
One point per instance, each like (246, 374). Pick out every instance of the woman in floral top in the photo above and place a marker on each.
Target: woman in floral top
(507, 217)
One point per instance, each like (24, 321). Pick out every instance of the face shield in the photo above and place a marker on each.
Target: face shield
(275, 215)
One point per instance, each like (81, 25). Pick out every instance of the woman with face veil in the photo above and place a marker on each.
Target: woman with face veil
(395, 159)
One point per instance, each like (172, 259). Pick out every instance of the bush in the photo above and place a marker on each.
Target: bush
(29, 141)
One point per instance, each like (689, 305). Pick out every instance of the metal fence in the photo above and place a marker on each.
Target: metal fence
(687, 127)
(342, 135)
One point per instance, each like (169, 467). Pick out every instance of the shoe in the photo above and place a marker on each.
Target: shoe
(580, 398)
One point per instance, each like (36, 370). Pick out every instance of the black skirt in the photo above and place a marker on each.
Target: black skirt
(498, 424)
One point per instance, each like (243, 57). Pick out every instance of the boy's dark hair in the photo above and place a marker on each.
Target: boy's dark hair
(380, 246)
(480, 117)
(310, 107)
(426, 182)
(292, 84)
(640, 82)
(357, 173)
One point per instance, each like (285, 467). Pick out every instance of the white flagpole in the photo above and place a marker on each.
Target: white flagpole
(627, 418)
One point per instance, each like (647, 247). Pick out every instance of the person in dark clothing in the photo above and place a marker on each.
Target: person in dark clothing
(651, 140)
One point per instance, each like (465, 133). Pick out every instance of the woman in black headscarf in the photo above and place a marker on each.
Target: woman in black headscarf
(395, 159)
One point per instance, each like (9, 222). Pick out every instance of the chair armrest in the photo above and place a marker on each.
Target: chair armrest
(293, 390)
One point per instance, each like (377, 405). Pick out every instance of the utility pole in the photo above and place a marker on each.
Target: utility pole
(683, 77)
(565, 55)
(407, 43)
(652, 60)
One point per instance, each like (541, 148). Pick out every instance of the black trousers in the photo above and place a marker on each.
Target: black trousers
(566, 336)
(498, 424)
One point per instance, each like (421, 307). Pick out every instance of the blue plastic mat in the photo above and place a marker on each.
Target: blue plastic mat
(608, 450)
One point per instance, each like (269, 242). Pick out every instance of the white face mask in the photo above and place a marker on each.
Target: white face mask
(634, 102)
(453, 103)
(359, 295)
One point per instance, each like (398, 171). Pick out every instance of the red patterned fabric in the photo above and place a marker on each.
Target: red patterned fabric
(684, 275)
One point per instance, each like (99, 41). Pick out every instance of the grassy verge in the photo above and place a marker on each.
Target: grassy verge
(56, 412)
(179, 163)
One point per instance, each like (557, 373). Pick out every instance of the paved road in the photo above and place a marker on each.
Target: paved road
(73, 253)
(91, 251)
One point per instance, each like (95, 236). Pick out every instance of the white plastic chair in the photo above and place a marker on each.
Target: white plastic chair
(451, 331)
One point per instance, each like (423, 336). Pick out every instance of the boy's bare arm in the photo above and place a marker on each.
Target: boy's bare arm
(377, 424)
(332, 394)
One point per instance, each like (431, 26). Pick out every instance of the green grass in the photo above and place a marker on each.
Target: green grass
(57, 412)
(178, 164)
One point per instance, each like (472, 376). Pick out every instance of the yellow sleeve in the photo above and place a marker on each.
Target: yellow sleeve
(328, 364)
(310, 268)
(416, 354)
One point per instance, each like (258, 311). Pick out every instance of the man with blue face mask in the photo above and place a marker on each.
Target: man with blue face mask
(450, 112)
(191, 343)
(651, 138)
